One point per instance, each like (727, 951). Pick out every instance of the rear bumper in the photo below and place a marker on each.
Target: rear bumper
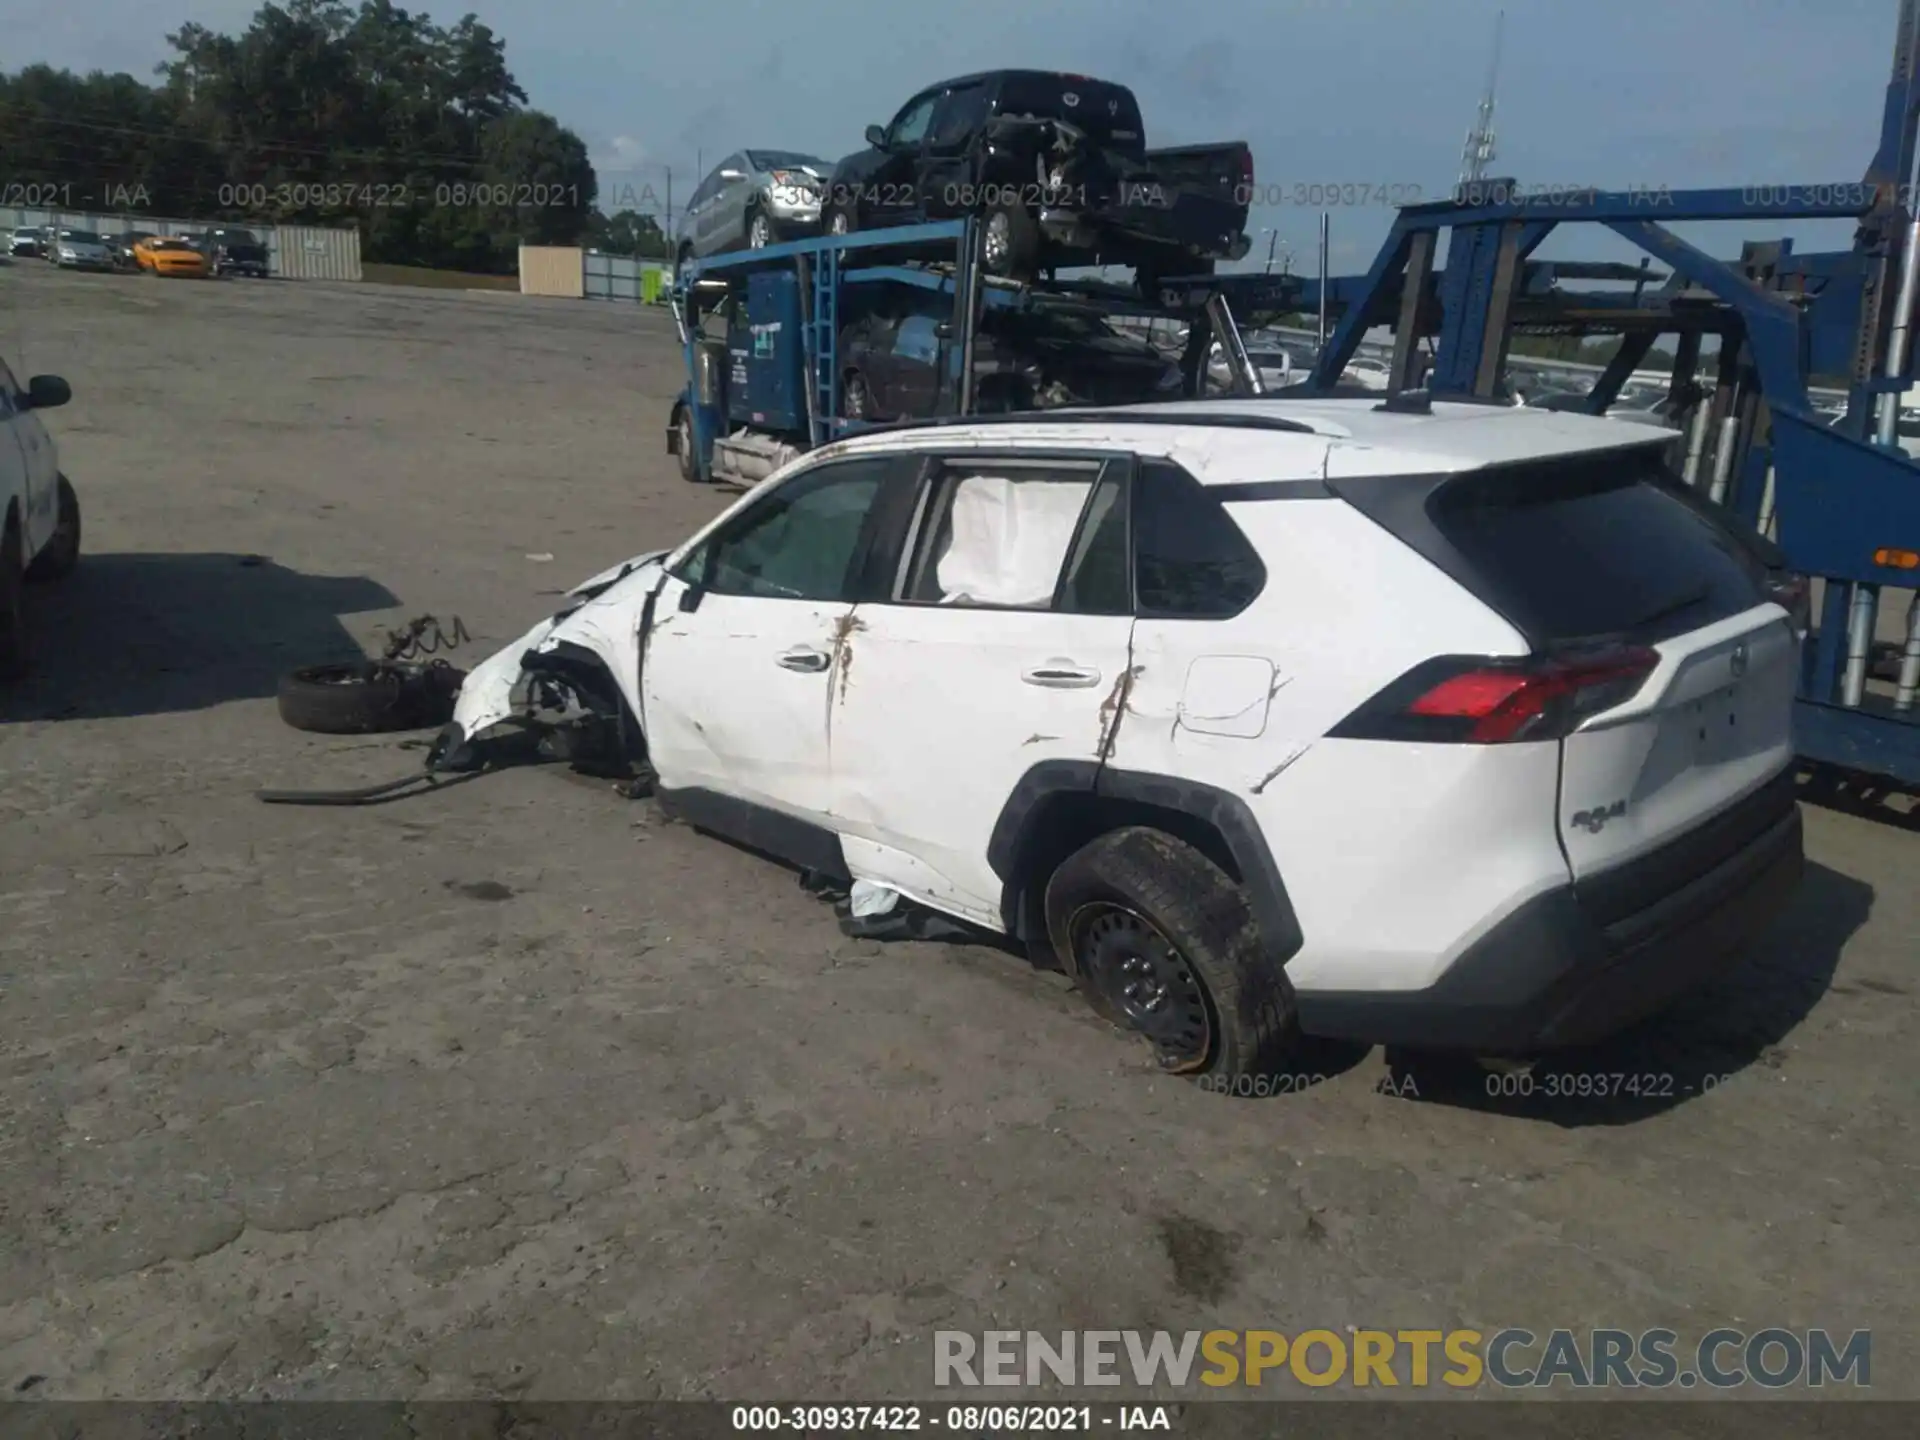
(1583, 962)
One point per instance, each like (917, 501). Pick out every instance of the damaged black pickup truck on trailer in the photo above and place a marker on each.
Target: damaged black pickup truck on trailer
(1058, 166)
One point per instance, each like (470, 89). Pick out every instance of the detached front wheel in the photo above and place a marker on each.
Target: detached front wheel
(1164, 943)
(369, 697)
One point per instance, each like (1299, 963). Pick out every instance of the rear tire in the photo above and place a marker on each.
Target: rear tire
(61, 556)
(760, 231)
(1012, 247)
(1164, 943)
(839, 222)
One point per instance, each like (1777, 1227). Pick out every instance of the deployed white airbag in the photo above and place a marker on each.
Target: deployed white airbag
(1008, 539)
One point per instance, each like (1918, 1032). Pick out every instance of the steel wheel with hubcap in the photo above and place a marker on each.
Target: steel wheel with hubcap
(1137, 978)
(839, 223)
(1163, 942)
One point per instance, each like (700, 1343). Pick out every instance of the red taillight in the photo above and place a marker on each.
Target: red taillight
(1467, 700)
(1246, 167)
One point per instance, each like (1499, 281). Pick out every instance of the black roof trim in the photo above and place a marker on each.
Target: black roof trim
(1082, 417)
(1238, 491)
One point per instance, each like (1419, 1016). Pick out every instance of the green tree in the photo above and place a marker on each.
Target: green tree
(627, 232)
(318, 112)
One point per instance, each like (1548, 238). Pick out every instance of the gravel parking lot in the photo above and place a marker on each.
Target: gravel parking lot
(518, 1091)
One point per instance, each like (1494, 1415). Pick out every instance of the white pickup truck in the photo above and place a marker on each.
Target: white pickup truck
(39, 513)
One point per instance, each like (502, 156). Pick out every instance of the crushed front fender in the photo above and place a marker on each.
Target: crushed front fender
(603, 620)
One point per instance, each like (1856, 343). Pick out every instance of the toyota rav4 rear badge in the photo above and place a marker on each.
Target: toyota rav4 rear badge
(1069, 99)
(1595, 820)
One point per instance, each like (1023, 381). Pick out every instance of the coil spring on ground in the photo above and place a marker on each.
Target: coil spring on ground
(425, 636)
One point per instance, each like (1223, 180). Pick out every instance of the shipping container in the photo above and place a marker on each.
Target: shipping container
(557, 270)
(309, 252)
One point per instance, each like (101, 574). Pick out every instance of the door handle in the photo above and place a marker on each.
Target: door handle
(809, 662)
(1062, 675)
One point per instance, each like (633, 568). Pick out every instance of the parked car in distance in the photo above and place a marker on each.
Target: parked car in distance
(28, 241)
(1058, 167)
(1036, 358)
(1094, 685)
(752, 199)
(1367, 374)
(1273, 361)
(231, 251)
(39, 512)
(170, 255)
(81, 250)
(122, 245)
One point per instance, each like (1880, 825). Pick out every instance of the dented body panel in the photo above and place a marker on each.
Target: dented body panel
(736, 694)
(941, 713)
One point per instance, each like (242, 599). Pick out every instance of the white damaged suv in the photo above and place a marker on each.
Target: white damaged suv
(1452, 726)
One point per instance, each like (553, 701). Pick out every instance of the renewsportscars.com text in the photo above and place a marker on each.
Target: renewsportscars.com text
(1773, 1358)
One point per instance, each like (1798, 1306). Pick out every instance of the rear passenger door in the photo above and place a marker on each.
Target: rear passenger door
(1003, 644)
(726, 223)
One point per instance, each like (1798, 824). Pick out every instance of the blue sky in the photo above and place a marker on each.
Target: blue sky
(1675, 93)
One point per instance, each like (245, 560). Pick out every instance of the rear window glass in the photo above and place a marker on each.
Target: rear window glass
(1190, 561)
(1597, 546)
(1093, 105)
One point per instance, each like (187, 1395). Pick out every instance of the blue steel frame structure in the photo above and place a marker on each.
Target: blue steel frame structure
(1847, 509)
(1842, 502)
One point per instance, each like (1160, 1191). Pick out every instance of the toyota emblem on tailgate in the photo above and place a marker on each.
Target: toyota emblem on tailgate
(1738, 660)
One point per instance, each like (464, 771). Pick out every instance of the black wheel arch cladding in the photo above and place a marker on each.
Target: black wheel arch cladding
(1019, 832)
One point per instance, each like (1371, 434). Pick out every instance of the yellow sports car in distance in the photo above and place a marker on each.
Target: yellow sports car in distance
(167, 255)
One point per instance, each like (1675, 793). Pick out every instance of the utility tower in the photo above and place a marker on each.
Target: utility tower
(1479, 151)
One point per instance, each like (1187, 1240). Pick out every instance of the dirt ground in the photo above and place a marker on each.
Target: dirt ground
(518, 1091)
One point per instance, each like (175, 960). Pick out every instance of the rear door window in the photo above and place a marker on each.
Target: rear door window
(1596, 547)
(997, 533)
